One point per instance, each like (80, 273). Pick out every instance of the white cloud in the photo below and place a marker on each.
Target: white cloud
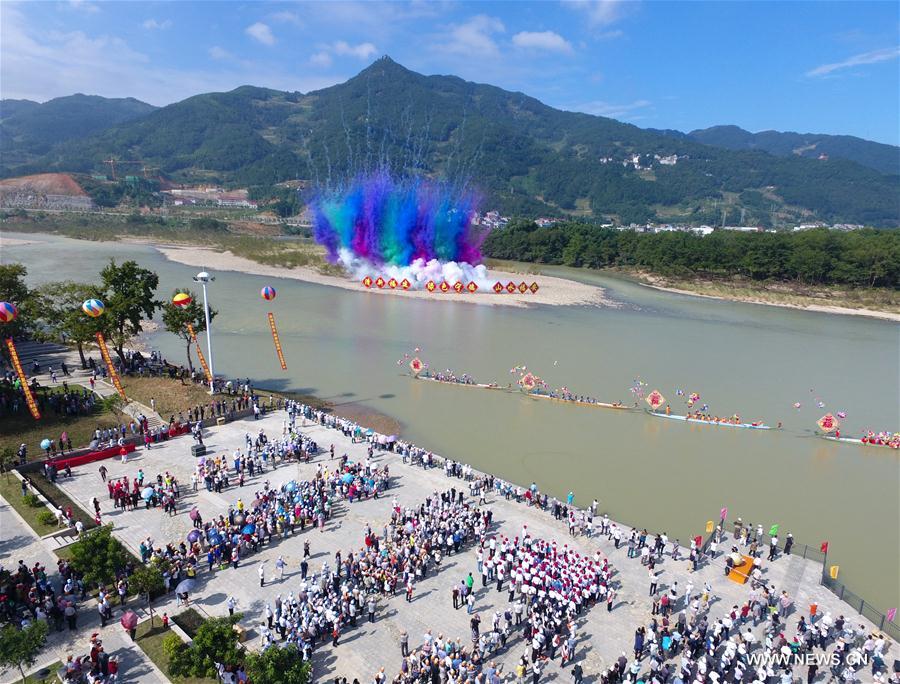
(261, 32)
(217, 52)
(154, 25)
(38, 64)
(616, 111)
(361, 51)
(475, 37)
(873, 57)
(322, 59)
(84, 6)
(287, 18)
(602, 12)
(542, 40)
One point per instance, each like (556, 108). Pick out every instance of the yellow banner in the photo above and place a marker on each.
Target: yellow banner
(276, 341)
(104, 352)
(200, 353)
(17, 365)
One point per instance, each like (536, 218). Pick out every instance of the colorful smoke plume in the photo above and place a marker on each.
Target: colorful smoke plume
(418, 229)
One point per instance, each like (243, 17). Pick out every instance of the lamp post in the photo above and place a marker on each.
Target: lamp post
(203, 278)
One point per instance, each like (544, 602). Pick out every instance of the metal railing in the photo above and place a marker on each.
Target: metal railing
(839, 589)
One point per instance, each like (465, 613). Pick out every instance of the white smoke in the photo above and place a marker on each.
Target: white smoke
(419, 272)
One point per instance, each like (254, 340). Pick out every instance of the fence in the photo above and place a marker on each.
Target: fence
(861, 606)
(839, 589)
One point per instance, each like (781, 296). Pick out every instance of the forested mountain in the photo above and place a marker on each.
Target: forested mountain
(525, 157)
(30, 129)
(878, 156)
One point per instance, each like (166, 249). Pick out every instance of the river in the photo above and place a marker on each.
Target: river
(750, 359)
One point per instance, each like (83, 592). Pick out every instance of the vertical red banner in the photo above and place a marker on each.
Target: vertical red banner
(277, 341)
(200, 356)
(17, 365)
(104, 352)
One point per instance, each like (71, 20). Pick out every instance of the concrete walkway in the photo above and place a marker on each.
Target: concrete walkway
(362, 650)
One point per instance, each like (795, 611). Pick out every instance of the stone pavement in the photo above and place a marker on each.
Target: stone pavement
(603, 635)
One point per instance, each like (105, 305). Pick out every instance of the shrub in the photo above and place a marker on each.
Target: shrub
(32, 500)
(45, 517)
(172, 646)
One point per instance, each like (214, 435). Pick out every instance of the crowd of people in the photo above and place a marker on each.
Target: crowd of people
(548, 588)
(410, 547)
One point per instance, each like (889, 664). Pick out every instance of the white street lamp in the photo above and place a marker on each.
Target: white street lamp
(203, 278)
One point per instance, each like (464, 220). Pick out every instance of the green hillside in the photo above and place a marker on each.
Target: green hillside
(878, 156)
(29, 129)
(526, 157)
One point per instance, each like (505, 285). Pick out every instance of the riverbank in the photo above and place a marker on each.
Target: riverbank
(604, 634)
(786, 295)
(551, 290)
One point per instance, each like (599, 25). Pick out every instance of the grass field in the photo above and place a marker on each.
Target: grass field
(50, 677)
(22, 428)
(11, 490)
(59, 499)
(171, 395)
(190, 621)
(150, 640)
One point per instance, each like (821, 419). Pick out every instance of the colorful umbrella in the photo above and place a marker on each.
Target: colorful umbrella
(129, 619)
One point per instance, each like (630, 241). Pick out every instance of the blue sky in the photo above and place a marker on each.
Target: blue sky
(826, 67)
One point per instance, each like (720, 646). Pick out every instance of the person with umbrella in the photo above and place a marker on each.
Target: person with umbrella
(129, 622)
(184, 588)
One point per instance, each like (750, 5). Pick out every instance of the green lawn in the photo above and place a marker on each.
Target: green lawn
(150, 640)
(11, 490)
(49, 679)
(189, 620)
(59, 499)
(171, 395)
(21, 428)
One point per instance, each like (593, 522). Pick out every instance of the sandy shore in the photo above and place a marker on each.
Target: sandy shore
(14, 242)
(819, 308)
(554, 291)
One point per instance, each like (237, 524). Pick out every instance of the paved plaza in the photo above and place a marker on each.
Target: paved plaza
(603, 635)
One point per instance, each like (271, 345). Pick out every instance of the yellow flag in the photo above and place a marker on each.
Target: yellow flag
(710, 526)
(833, 571)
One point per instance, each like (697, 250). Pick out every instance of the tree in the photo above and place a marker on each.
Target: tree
(128, 291)
(148, 580)
(7, 460)
(278, 666)
(215, 642)
(176, 319)
(14, 290)
(98, 555)
(62, 314)
(19, 647)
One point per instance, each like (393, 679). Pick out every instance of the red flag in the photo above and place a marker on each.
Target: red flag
(824, 547)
